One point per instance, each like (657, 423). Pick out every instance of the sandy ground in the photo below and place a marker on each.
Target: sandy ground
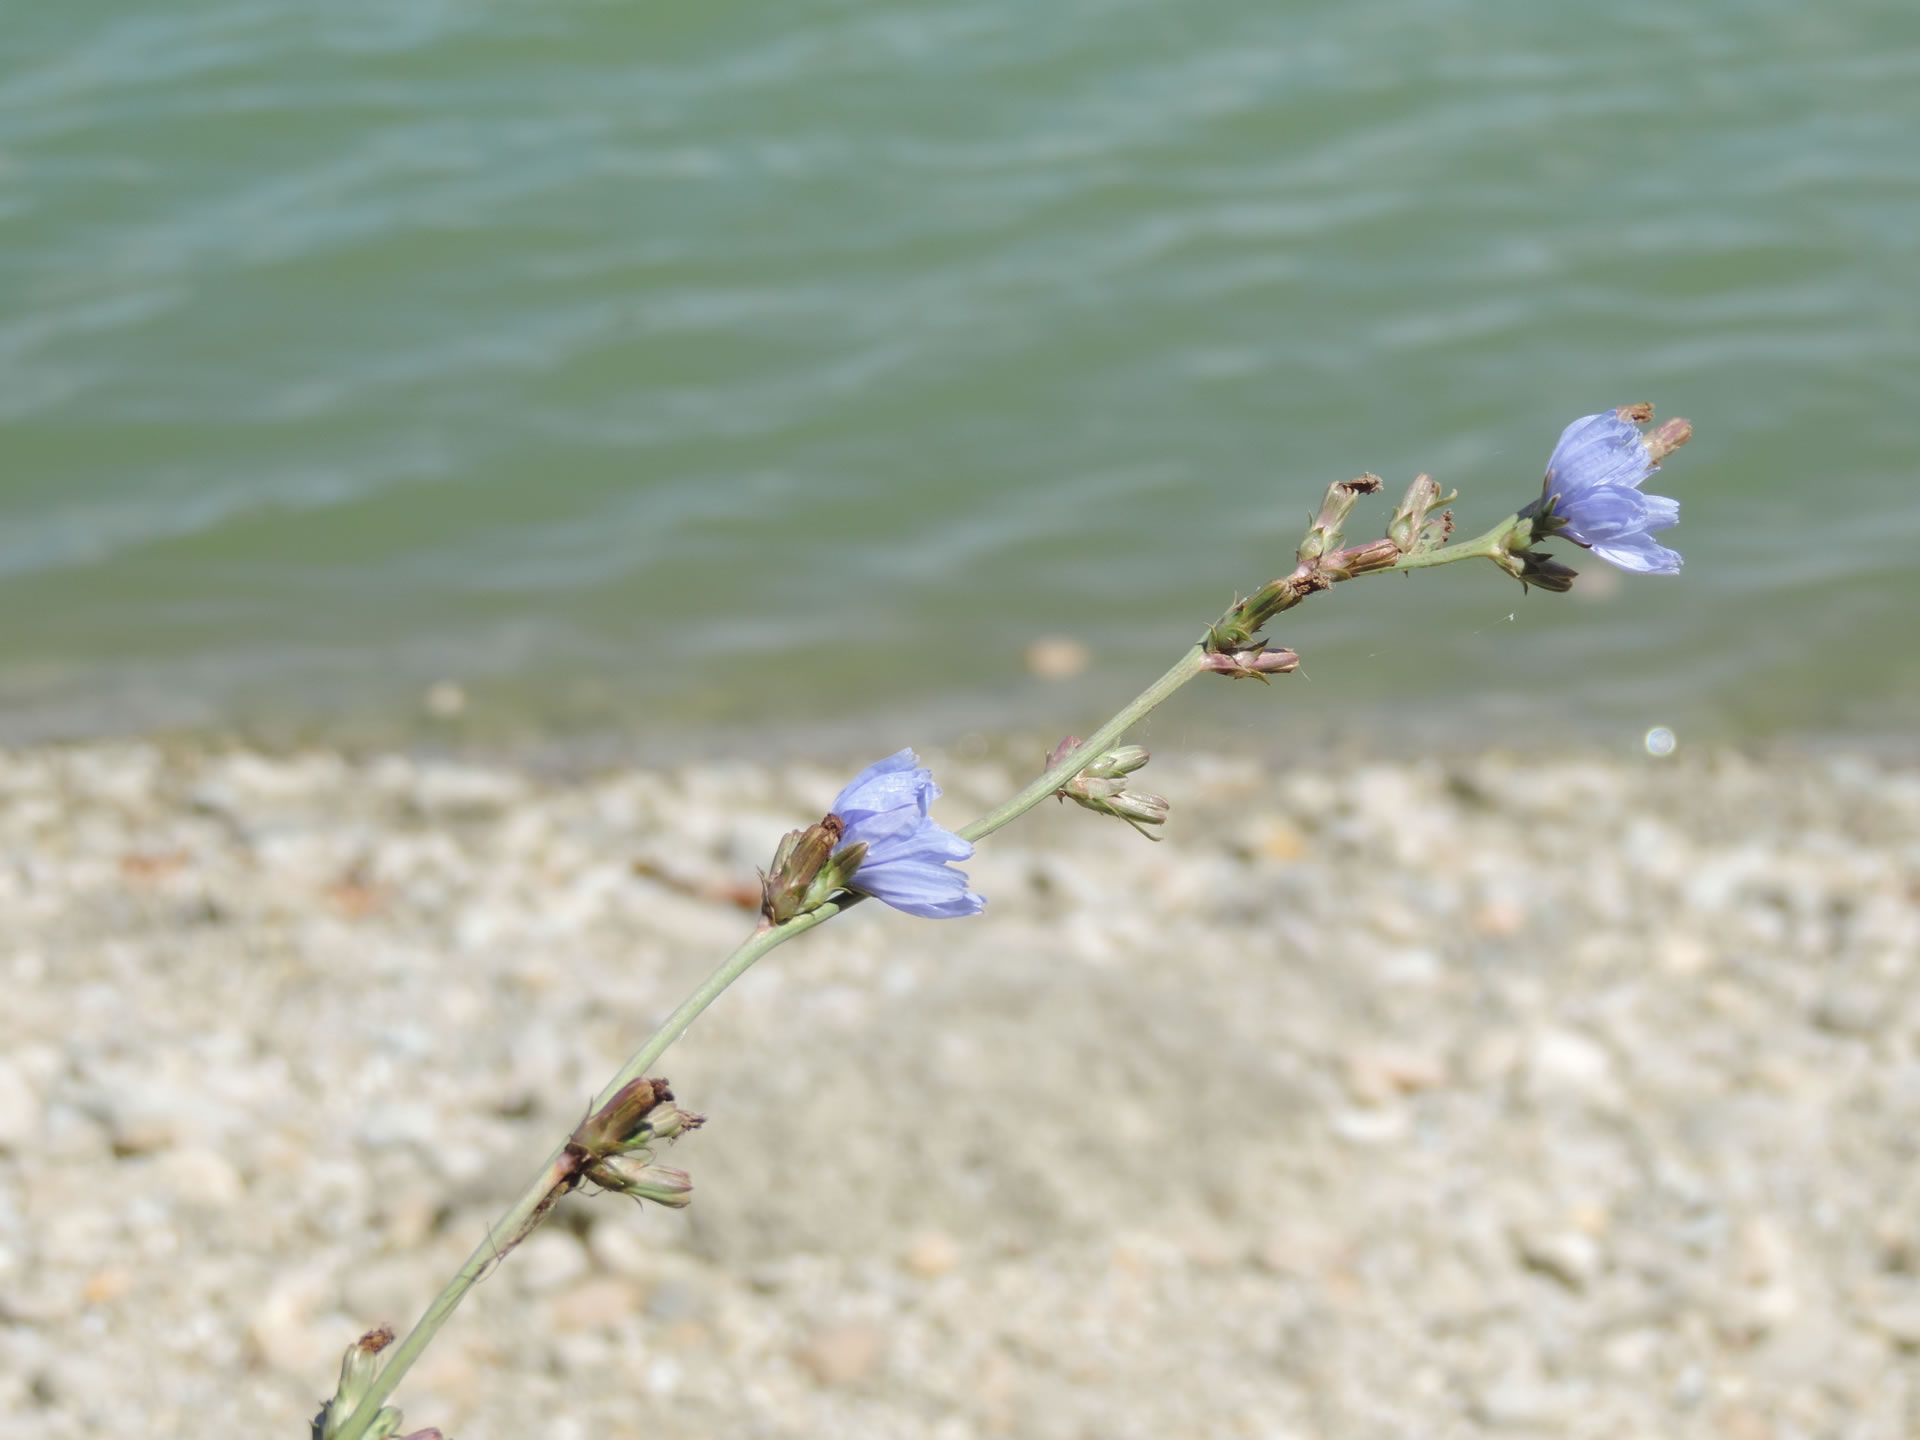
(1489, 1097)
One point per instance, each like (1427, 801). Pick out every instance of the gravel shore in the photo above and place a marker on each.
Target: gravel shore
(1574, 1098)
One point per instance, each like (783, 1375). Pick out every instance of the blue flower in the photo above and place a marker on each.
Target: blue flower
(885, 808)
(1593, 492)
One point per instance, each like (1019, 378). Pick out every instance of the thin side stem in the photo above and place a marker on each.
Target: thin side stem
(1184, 669)
(1476, 548)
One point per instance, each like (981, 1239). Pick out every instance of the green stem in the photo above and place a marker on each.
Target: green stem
(511, 1226)
(1480, 546)
(505, 1231)
(528, 1209)
(1182, 670)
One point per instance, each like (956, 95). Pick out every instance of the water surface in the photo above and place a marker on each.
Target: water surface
(709, 373)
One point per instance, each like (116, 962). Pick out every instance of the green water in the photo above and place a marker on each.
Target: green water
(698, 373)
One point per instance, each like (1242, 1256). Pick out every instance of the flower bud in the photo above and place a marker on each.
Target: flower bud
(1360, 560)
(788, 888)
(1256, 664)
(1537, 569)
(1140, 807)
(662, 1184)
(1239, 629)
(623, 1122)
(1122, 760)
(1102, 786)
(1115, 763)
(359, 1367)
(670, 1122)
(1667, 437)
(1540, 571)
(1414, 527)
(1324, 534)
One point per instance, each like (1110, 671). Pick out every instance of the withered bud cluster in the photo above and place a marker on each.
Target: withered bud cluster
(612, 1147)
(1414, 528)
(1325, 533)
(1667, 437)
(806, 871)
(359, 1367)
(1102, 786)
(1255, 663)
(1234, 646)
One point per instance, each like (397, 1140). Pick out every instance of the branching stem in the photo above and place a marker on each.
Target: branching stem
(536, 1200)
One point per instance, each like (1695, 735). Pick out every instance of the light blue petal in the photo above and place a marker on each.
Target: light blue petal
(957, 908)
(885, 827)
(870, 789)
(919, 887)
(928, 842)
(1641, 554)
(1599, 450)
(937, 841)
(912, 792)
(1662, 512)
(1601, 514)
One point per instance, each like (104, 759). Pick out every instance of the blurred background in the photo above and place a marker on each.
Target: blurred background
(473, 474)
(703, 376)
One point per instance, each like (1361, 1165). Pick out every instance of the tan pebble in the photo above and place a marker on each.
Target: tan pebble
(1899, 1321)
(1381, 1126)
(1499, 917)
(1684, 955)
(1277, 840)
(410, 1220)
(142, 866)
(1378, 1075)
(354, 898)
(997, 1379)
(1493, 1058)
(199, 1177)
(1590, 1219)
(1567, 1063)
(1057, 657)
(103, 1287)
(142, 1135)
(1741, 1421)
(1210, 1252)
(932, 1254)
(622, 1246)
(448, 1369)
(1295, 1250)
(1634, 1352)
(842, 1355)
(550, 1260)
(687, 1335)
(20, 1111)
(1571, 1257)
(286, 1330)
(599, 1303)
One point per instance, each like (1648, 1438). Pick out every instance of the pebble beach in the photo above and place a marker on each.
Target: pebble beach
(1481, 1096)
